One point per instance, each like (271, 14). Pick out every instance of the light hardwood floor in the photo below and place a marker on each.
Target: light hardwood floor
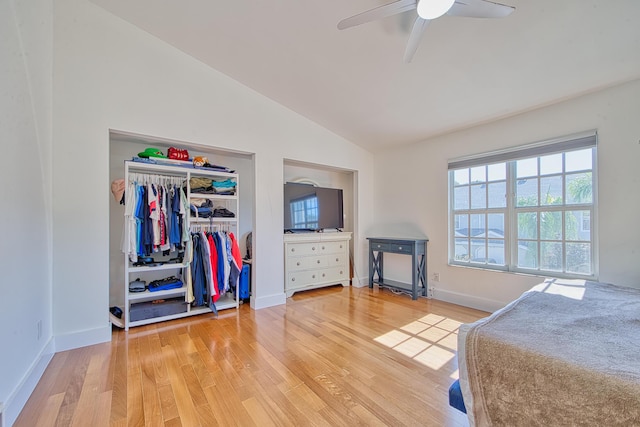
(329, 357)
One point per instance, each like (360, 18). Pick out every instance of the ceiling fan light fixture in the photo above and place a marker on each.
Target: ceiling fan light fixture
(432, 9)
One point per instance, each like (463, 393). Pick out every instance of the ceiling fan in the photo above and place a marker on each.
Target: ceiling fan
(428, 10)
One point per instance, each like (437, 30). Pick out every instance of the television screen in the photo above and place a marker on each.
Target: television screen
(310, 208)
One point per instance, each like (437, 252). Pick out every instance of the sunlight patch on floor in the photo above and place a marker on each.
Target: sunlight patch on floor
(431, 340)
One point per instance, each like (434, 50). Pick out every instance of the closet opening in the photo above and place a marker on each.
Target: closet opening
(240, 172)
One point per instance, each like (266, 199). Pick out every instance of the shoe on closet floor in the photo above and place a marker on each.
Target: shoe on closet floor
(115, 316)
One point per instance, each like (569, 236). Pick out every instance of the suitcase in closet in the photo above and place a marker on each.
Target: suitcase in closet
(244, 282)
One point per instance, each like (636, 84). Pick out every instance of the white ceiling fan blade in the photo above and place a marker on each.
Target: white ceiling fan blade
(480, 9)
(414, 39)
(377, 13)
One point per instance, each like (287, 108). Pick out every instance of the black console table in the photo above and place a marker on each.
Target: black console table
(417, 248)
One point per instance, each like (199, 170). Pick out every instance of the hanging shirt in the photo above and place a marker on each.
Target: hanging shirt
(215, 293)
(130, 229)
(154, 214)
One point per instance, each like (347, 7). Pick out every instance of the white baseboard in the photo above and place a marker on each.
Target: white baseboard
(18, 398)
(83, 338)
(467, 300)
(360, 282)
(268, 301)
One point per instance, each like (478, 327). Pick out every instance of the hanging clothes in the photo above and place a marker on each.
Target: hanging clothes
(235, 263)
(198, 271)
(154, 212)
(215, 295)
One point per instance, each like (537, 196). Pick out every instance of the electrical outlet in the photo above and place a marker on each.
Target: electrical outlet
(436, 277)
(39, 327)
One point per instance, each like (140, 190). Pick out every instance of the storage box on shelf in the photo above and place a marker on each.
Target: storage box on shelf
(149, 307)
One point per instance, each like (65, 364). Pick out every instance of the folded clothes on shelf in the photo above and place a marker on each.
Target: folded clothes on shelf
(223, 213)
(170, 282)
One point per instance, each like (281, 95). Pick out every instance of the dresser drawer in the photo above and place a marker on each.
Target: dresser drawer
(297, 263)
(337, 260)
(335, 274)
(303, 249)
(333, 247)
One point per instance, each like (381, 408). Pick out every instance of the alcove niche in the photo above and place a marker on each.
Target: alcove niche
(331, 177)
(126, 145)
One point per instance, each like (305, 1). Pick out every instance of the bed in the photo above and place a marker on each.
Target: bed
(564, 353)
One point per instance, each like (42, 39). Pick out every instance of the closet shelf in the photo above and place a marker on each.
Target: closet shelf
(192, 312)
(182, 170)
(147, 268)
(214, 219)
(146, 295)
(212, 196)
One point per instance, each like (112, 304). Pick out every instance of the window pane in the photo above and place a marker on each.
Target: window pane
(579, 188)
(551, 256)
(478, 253)
(478, 225)
(527, 192)
(462, 250)
(478, 174)
(462, 225)
(579, 258)
(551, 164)
(548, 222)
(550, 225)
(579, 160)
(497, 172)
(528, 225)
(479, 196)
(527, 167)
(498, 194)
(577, 225)
(551, 190)
(461, 177)
(461, 198)
(496, 252)
(496, 225)
(527, 254)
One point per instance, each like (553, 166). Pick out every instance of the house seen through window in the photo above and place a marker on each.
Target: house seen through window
(527, 209)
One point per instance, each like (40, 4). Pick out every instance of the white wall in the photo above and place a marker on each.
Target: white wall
(111, 75)
(25, 167)
(412, 197)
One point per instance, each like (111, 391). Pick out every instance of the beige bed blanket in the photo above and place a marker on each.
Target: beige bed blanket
(564, 353)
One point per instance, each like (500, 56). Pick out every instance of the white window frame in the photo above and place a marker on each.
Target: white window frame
(510, 156)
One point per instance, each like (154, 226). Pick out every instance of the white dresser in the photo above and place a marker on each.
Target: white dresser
(314, 260)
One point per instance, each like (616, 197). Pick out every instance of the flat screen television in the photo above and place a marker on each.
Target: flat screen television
(311, 208)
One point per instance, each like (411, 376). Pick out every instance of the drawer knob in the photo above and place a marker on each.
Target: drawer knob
(313, 277)
(337, 259)
(340, 246)
(340, 271)
(318, 261)
(323, 248)
(293, 279)
(322, 274)
(399, 248)
(293, 249)
(298, 263)
(313, 248)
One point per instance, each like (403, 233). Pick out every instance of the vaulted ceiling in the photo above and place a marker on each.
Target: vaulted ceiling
(354, 82)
